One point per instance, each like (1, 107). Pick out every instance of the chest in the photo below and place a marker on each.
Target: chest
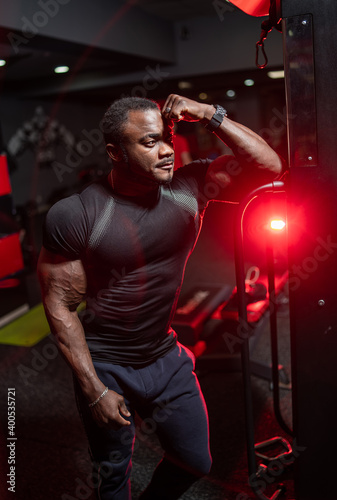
(130, 236)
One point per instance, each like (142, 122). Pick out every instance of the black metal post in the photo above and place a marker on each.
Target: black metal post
(244, 332)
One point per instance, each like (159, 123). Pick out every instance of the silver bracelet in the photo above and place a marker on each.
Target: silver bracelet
(99, 398)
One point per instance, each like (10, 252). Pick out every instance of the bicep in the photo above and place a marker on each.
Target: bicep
(62, 281)
(234, 179)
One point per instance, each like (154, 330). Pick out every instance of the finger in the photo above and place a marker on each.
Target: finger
(178, 108)
(124, 410)
(120, 421)
(172, 106)
(167, 108)
(114, 422)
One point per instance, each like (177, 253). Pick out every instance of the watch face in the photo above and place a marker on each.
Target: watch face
(220, 111)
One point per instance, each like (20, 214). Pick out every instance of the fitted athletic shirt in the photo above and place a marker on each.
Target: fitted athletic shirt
(134, 251)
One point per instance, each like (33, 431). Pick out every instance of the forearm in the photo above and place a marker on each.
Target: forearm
(248, 147)
(68, 331)
(255, 161)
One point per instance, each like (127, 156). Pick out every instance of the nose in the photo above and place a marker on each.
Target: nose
(166, 149)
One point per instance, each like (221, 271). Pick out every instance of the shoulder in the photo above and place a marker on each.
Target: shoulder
(190, 180)
(193, 170)
(78, 205)
(66, 213)
(64, 229)
(193, 174)
(69, 222)
(71, 204)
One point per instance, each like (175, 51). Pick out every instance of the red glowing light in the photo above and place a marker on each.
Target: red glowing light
(277, 224)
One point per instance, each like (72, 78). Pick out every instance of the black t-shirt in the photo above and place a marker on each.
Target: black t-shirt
(134, 252)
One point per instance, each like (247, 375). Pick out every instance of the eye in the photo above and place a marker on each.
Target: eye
(150, 143)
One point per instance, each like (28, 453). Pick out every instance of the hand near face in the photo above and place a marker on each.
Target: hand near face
(178, 108)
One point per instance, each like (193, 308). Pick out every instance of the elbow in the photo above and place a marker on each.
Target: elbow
(279, 166)
(275, 165)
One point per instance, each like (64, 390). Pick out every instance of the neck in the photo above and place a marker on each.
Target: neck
(127, 184)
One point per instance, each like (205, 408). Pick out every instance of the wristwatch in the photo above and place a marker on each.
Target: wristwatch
(217, 118)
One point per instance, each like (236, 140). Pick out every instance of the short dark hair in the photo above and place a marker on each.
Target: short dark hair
(117, 114)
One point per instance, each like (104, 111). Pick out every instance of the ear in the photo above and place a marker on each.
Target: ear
(115, 152)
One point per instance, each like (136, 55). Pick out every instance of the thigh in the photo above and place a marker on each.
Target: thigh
(110, 450)
(106, 445)
(180, 417)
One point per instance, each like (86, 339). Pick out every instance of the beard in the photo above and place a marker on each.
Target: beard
(125, 155)
(164, 182)
(139, 178)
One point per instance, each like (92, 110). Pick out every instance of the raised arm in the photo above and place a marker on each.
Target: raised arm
(63, 285)
(256, 161)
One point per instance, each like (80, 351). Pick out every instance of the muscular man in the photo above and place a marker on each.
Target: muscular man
(122, 244)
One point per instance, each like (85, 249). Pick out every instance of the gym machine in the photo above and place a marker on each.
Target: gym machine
(309, 41)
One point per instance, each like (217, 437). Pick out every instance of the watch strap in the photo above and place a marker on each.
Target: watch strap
(217, 118)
